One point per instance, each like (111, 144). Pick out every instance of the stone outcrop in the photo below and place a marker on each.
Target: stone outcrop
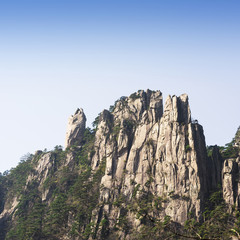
(145, 152)
(75, 129)
(215, 165)
(161, 152)
(45, 164)
(231, 173)
(231, 182)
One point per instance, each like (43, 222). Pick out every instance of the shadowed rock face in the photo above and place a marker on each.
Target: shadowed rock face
(231, 185)
(75, 129)
(215, 165)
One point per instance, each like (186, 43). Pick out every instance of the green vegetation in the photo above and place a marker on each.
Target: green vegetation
(68, 199)
(135, 95)
(111, 108)
(147, 208)
(72, 191)
(16, 179)
(83, 196)
(150, 142)
(76, 195)
(56, 216)
(136, 189)
(96, 122)
(128, 126)
(116, 130)
(237, 137)
(187, 148)
(230, 150)
(3, 191)
(210, 151)
(217, 222)
(28, 220)
(121, 100)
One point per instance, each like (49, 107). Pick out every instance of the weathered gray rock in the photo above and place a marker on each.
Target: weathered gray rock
(163, 153)
(231, 182)
(75, 129)
(147, 151)
(231, 175)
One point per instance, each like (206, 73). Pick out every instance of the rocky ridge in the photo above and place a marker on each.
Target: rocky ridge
(160, 151)
(139, 150)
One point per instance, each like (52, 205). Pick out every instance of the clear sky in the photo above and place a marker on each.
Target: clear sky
(58, 55)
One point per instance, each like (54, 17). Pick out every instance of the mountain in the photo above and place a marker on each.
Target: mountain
(143, 170)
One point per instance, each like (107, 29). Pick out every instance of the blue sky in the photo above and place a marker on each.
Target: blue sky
(58, 55)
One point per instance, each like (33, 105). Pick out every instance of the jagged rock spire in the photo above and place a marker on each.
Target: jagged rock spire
(177, 109)
(75, 129)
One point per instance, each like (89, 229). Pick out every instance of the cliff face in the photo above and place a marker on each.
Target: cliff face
(143, 163)
(230, 173)
(161, 152)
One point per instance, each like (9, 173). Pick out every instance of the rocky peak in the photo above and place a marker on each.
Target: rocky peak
(161, 152)
(75, 129)
(177, 109)
(142, 162)
(138, 104)
(105, 116)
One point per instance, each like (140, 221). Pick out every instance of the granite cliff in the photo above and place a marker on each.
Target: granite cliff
(144, 166)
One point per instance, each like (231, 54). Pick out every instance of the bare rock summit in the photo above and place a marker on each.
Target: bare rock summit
(75, 129)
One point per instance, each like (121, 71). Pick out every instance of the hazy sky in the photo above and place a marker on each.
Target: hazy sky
(56, 56)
